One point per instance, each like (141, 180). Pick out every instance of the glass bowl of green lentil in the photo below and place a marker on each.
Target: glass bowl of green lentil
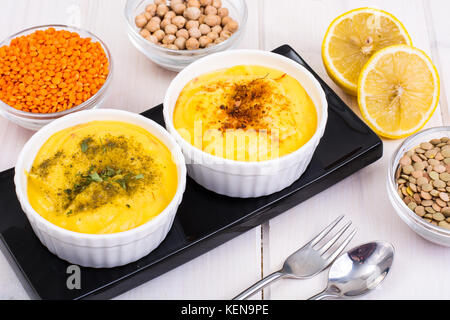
(427, 228)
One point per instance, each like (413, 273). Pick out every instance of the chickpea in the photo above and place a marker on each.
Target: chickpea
(205, 3)
(162, 10)
(204, 29)
(140, 21)
(152, 39)
(216, 29)
(192, 24)
(147, 15)
(226, 20)
(158, 2)
(169, 39)
(180, 42)
(217, 3)
(179, 8)
(172, 46)
(212, 35)
(204, 41)
(219, 40)
(210, 10)
(222, 12)
(151, 8)
(183, 33)
(193, 3)
(170, 15)
(145, 33)
(225, 34)
(165, 23)
(212, 20)
(153, 26)
(155, 20)
(171, 29)
(201, 20)
(232, 26)
(192, 44)
(175, 2)
(192, 13)
(179, 21)
(159, 34)
(195, 33)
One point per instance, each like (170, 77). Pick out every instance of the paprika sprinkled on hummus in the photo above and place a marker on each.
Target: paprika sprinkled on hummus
(245, 113)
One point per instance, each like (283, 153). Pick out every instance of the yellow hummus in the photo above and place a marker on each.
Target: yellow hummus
(245, 113)
(102, 177)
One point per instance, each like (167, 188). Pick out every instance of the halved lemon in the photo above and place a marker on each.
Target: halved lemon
(353, 38)
(398, 91)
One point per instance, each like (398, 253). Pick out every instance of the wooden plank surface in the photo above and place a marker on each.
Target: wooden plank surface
(361, 197)
(139, 84)
(439, 33)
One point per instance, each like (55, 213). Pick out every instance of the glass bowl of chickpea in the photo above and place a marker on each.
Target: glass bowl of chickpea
(175, 33)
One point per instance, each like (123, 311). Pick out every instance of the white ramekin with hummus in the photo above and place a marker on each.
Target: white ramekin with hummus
(248, 121)
(101, 188)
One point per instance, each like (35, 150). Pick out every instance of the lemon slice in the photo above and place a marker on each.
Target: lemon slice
(398, 91)
(353, 38)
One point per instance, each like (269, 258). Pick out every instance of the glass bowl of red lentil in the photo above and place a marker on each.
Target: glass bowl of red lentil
(34, 120)
(177, 60)
(418, 224)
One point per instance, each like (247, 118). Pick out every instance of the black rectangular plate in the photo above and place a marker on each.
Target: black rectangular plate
(204, 220)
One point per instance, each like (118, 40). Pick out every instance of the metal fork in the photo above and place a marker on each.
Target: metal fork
(308, 261)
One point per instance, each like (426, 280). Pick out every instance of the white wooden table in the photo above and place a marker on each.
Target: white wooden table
(421, 269)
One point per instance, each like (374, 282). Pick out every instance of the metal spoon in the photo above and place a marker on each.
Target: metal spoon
(358, 271)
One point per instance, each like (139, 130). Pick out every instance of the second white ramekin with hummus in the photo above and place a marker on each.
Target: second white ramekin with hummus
(246, 179)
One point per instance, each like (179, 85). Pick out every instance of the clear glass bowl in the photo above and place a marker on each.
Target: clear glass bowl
(176, 60)
(428, 231)
(35, 121)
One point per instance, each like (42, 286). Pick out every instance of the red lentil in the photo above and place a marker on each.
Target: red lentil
(51, 70)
